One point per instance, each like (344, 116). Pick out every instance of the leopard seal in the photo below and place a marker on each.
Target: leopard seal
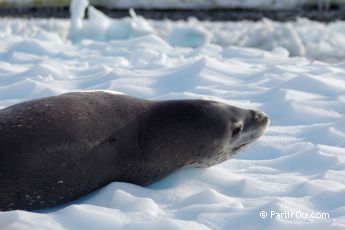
(57, 149)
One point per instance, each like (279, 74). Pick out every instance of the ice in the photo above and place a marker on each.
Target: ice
(99, 27)
(188, 36)
(303, 37)
(298, 165)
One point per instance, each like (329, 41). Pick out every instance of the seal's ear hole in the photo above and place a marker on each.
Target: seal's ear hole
(237, 129)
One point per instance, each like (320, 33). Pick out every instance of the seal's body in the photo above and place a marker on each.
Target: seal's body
(56, 149)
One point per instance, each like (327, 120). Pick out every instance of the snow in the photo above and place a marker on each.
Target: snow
(297, 166)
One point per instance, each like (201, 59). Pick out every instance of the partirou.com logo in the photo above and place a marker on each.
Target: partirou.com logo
(293, 215)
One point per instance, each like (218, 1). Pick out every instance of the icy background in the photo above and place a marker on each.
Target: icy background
(298, 165)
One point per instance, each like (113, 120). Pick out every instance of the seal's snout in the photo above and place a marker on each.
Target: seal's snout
(260, 117)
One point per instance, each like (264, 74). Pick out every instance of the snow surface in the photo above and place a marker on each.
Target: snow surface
(298, 165)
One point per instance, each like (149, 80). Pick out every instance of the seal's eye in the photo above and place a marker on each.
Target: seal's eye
(237, 130)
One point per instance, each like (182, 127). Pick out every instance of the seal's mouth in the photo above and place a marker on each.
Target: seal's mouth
(241, 146)
(238, 148)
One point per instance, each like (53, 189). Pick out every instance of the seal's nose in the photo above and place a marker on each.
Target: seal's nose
(260, 117)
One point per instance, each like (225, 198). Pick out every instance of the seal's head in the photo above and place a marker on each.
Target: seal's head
(200, 133)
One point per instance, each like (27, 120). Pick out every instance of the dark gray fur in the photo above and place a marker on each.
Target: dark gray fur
(56, 149)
